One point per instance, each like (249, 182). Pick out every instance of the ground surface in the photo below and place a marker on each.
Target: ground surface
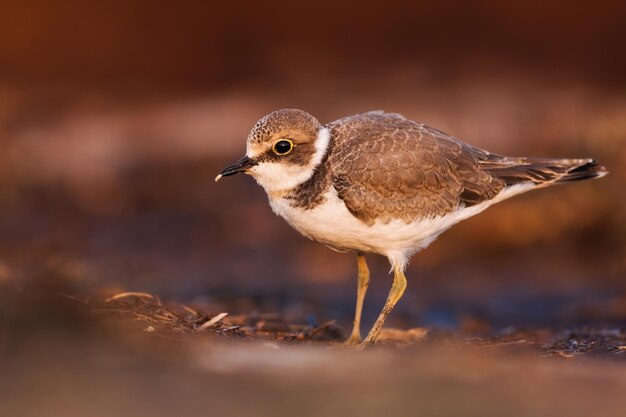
(133, 354)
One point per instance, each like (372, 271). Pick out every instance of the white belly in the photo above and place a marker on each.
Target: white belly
(332, 224)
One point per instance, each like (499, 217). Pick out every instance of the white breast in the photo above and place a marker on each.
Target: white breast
(332, 224)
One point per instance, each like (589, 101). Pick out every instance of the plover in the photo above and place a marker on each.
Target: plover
(380, 183)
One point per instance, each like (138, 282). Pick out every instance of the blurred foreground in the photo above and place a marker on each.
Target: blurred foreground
(136, 355)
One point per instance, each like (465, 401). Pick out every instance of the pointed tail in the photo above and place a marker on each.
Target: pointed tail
(543, 171)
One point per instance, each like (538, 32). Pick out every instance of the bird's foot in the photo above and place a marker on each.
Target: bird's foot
(353, 340)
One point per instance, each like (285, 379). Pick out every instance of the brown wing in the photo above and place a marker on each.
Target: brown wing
(387, 167)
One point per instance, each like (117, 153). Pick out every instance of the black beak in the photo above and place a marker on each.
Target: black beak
(240, 166)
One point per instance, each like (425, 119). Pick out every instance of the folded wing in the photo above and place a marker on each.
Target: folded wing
(386, 167)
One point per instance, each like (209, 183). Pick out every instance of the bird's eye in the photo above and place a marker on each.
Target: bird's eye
(282, 147)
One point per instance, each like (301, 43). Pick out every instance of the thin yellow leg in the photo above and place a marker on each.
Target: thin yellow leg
(397, 289)
(361, 289)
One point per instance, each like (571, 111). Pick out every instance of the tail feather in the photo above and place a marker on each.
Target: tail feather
(543, 171)
(590, 169)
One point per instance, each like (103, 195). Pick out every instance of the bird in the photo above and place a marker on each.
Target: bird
(380, 183)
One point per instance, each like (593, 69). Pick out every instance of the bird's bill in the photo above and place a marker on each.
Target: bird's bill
(242, 165)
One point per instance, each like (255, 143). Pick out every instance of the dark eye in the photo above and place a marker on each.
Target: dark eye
(282, 147)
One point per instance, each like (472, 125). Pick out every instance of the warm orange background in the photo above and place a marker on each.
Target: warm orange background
(114, 120)
(115, 117)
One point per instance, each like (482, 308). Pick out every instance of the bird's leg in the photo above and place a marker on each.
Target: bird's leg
(397, 289)
(361, 289)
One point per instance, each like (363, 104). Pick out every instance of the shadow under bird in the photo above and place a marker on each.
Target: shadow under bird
(380, 183)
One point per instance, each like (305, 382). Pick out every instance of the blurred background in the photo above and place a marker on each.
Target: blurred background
(115, 118)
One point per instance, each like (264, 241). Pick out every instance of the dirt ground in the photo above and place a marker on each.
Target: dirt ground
(134, 354)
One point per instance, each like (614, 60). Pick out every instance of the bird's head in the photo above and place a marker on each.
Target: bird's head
(283, 150)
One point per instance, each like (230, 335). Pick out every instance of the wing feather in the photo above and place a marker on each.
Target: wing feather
(387, 167)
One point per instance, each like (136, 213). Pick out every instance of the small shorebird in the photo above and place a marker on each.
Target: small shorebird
(380, 183)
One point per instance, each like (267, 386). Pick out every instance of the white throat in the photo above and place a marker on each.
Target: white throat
(281, 177)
